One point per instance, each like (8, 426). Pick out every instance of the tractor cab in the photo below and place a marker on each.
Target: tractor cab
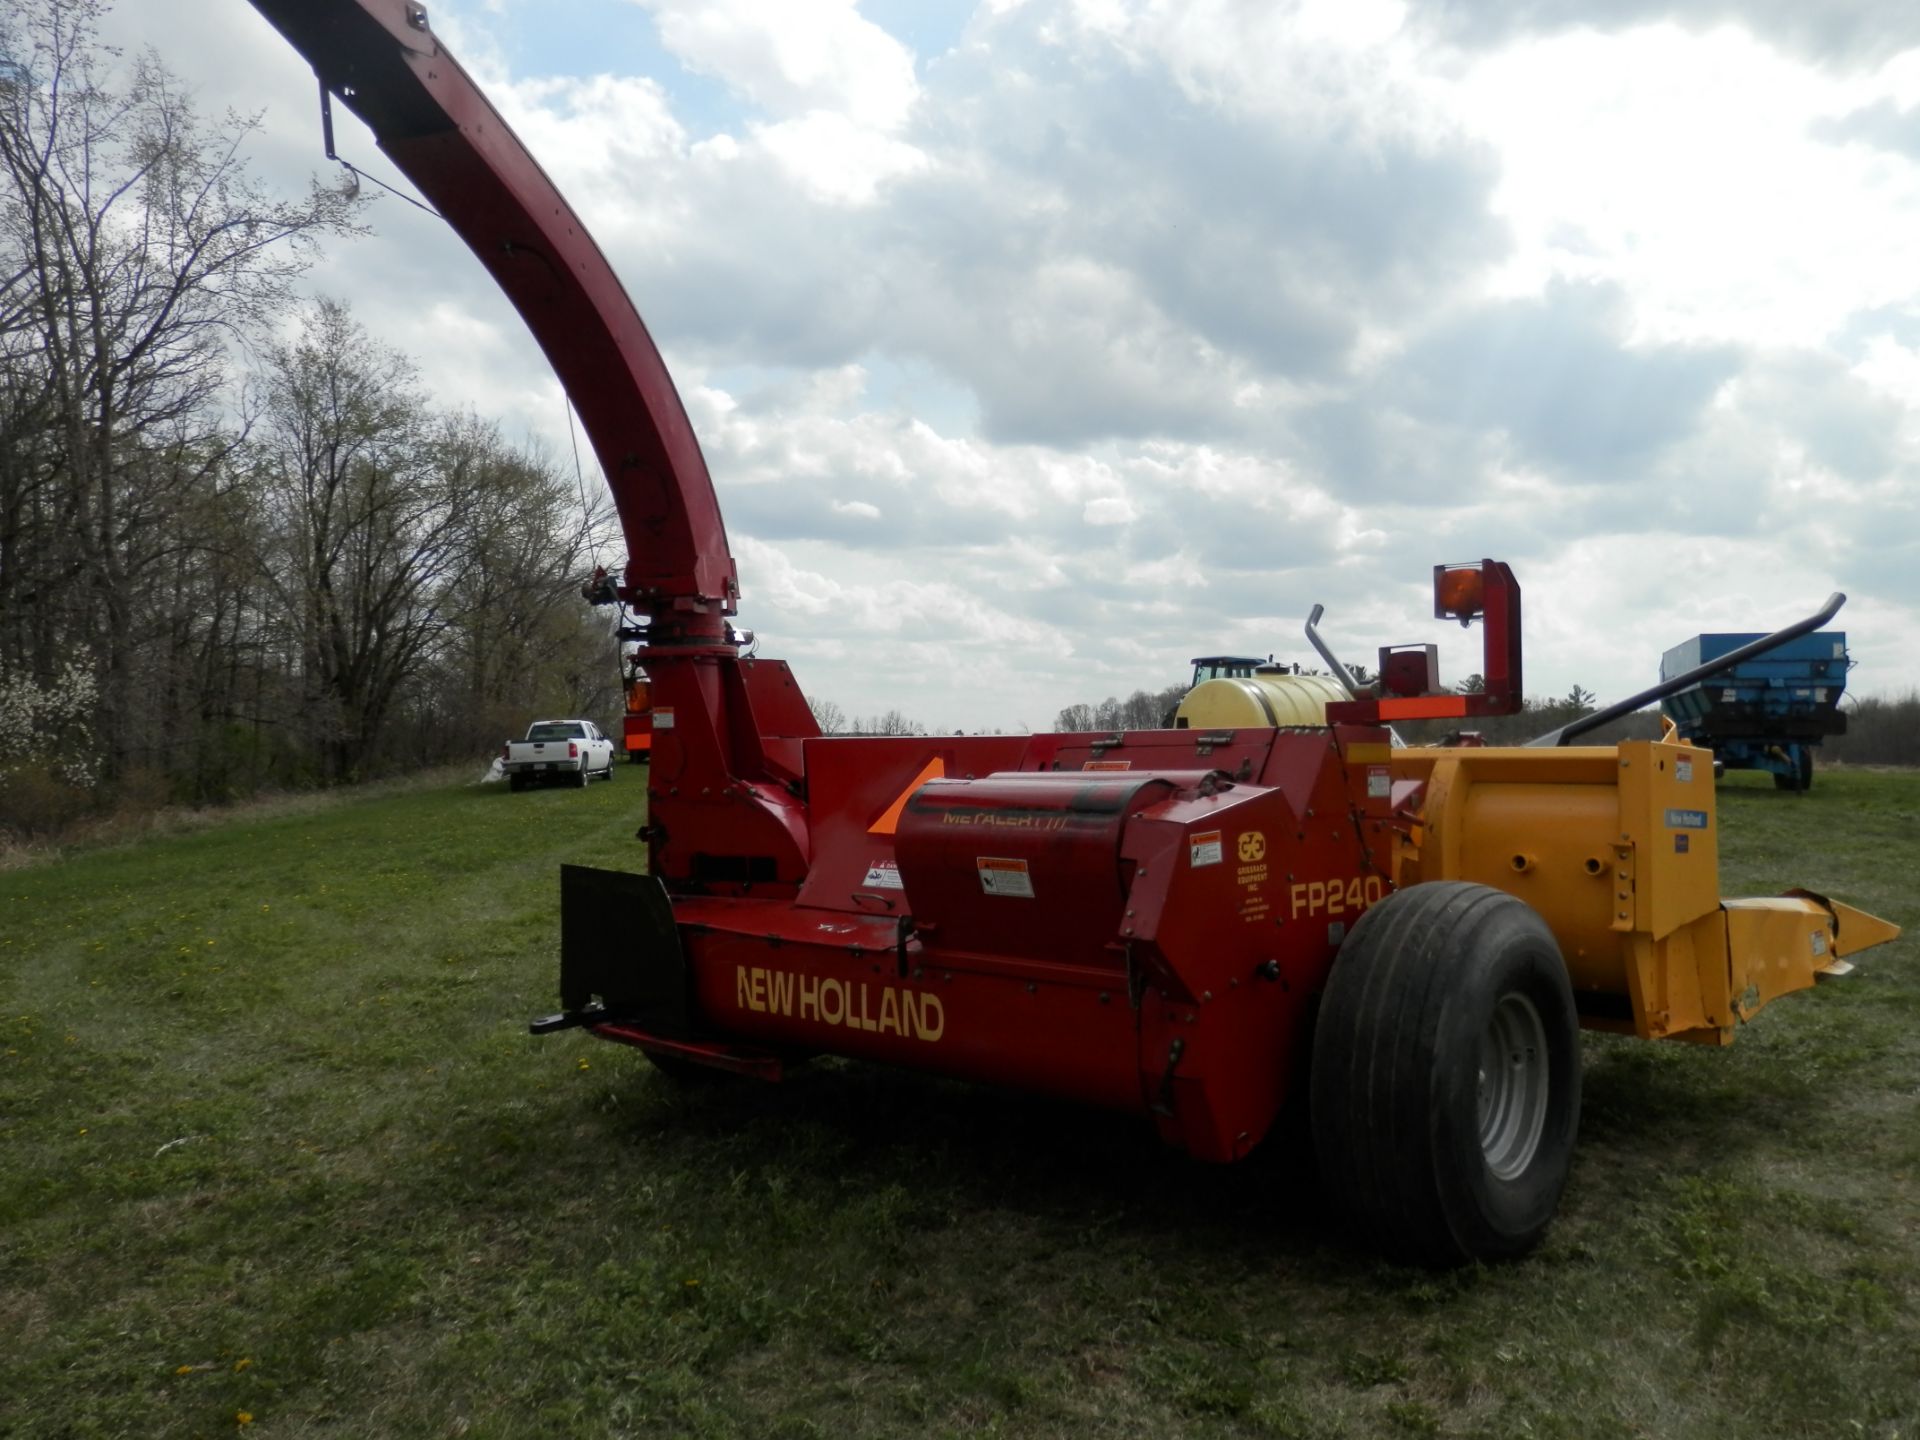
(1226, 667)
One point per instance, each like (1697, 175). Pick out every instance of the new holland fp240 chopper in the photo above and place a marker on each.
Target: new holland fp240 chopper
(1189, 924)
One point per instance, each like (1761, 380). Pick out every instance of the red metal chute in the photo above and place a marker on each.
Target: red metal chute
(383, 62)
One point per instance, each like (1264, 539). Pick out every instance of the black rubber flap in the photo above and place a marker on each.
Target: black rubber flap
(618, 941)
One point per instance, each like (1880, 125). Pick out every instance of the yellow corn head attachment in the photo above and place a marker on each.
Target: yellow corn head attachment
(1617, 848)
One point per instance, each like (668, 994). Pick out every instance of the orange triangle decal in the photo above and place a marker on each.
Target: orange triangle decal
(935, 769)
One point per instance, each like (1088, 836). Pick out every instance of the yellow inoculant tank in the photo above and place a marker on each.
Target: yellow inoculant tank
(1266, 697)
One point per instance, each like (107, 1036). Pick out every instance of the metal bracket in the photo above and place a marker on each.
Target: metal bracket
(1623, 884)
(902, 936)
(1163, 1101)
(572, 1020)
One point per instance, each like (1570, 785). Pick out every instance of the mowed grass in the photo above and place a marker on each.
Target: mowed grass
(274, 1142)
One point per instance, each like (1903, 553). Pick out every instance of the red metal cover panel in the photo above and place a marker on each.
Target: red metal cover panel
(1298, 762)
(1071, 1041)
(1024, 866)
(852, 781)
(779, 709)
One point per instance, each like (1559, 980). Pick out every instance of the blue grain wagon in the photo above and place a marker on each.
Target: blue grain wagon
(1769, 711)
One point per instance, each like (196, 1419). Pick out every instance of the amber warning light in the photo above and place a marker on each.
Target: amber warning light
(1458, 593)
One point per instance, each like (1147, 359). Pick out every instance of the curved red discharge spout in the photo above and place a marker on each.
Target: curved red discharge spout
(386, 66)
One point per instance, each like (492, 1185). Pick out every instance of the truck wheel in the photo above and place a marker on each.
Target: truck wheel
(608, 777)
(580, 777)
(1446, 1075)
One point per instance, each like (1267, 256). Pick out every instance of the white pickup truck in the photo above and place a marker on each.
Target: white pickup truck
(573, 751)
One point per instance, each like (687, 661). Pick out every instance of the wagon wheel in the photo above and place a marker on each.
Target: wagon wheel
(1446, 1075)
(1802, 776)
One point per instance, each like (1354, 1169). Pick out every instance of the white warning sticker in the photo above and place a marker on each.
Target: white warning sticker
(883, 875)
(1819, 943)
(1203, 848)
(1683, 771)
(663, 717)
(1379, 782)
(1004, 877)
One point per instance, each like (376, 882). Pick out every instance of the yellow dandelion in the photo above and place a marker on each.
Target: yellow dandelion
(241, 1364)
(243, 1417)
(183, 1370)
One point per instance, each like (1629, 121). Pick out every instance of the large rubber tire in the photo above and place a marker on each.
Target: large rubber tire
(580, 777)
(608, 776)
(1446, 1075)
(1802, 777)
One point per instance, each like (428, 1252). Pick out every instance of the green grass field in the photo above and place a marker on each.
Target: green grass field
(274, 1143)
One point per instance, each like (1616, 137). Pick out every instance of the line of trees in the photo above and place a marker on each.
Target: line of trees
(236, 553)
(1142, 710)
(833, 719)
(1881, 730)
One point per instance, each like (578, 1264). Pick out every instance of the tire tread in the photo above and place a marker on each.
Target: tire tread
(1380, 1091)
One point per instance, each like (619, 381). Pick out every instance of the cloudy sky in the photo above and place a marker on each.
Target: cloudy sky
(1037, 347)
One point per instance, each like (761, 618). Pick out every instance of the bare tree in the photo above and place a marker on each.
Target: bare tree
(519, 634)
(369, 523)
(891, 723)
(1078, 716)
(1142, 710)
(829, 716)
(133, 246)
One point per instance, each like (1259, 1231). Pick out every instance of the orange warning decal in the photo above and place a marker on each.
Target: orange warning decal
(935, 769)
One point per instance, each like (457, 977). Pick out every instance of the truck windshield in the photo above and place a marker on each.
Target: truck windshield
(557, 732)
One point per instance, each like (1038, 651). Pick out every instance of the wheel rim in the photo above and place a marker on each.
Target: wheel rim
(1512, 1087)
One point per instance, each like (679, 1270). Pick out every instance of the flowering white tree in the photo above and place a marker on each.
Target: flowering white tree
(50, 725)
